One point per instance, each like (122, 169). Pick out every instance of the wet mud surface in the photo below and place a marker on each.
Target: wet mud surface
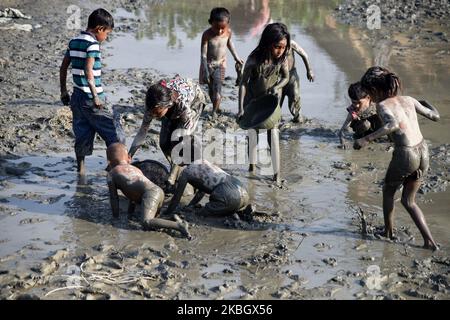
(316, 237)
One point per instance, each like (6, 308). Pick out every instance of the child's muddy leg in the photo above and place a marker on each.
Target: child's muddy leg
(252, 148)
(81, 168)
(216, 89)
(388, 209)
(151, 202)
(131, 207)
(273, 138)
(409, 202)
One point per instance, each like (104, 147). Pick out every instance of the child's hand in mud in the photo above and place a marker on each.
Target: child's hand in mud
(360, 143)
(65, 98)
(98, 103)
(310, 76)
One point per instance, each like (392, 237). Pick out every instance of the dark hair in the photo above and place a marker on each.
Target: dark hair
(158, 94)
(379, 79)
(219, 14)
(356, 91)
(273, 33)
(100, 18)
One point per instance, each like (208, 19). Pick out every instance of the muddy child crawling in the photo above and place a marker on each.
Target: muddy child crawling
(227, 194)
(410, 159)
(138, 189)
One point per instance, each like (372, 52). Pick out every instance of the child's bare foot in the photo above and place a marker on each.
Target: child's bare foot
(184, 226)
(431, 245)
(277, 180)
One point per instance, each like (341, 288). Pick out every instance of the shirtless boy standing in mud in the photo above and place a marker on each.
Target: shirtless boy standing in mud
(227, 194)
(138, 189)
(410, 159)
(215, 42)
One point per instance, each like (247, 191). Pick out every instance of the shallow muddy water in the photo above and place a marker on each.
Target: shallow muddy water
(310, 239)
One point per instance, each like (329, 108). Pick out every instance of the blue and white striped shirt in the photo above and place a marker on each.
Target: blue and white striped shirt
(82, 47)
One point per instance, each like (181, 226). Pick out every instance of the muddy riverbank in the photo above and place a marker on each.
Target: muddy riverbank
(314, 238)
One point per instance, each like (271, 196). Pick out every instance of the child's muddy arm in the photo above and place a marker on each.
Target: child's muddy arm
(181, 185)
(65, 98)
(197, 198)
(426, 109)
(141, 135)
(344, 128)
(89, 71)
(113, 196)
(302, 53)
(243, 86)
(284, 78)
(390, 125)
(204, 57)
(232, 49)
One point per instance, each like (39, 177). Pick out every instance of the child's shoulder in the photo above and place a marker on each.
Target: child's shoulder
(208, 33)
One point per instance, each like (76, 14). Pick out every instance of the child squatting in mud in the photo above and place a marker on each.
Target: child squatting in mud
(215, 42)
(362, 115)
(227, 194)
(410, 158)
(90, 113)
(138, 189)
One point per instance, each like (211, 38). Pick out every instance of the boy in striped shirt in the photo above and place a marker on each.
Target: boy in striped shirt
(90, 112)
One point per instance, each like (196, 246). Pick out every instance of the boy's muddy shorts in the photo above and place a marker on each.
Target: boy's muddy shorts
(216, 78)
(88, 120)
(227, 198)
(407, 163)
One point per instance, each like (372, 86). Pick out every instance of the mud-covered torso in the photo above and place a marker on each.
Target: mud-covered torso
(217, 50)
(205, 176)
(130, 180)
(263, 77)
(402, 112)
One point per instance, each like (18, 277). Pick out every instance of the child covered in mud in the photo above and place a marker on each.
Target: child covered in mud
(215, 42)
(362, 115)
(90, 112)
(138, 189)
(410, 158)
(227, 194)
(266, 72)
(292, 89)
(178, 103)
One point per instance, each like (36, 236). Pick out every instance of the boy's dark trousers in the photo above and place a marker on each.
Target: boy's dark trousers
(88, 120)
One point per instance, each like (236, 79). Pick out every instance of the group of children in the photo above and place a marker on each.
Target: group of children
(376, 110)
